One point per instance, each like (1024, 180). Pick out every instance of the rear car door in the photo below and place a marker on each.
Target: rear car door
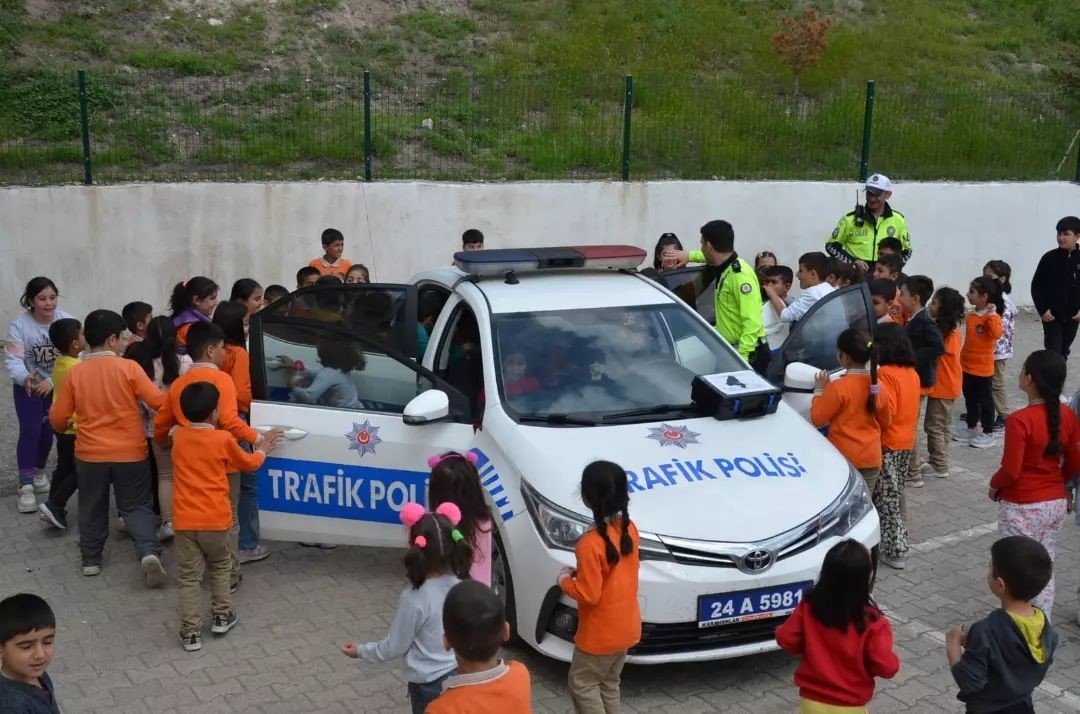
(335, 367)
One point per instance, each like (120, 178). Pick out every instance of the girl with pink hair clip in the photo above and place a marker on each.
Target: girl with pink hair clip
(454, 479)
(438, 558)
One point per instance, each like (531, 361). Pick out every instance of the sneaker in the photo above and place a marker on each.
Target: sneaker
(982, 441)
(999, 425)
(49, 515)
(192, 641)
(252, 555)
(155, 573)
(165, 531)
(224, 623)
(233, 587)
(41, 482)
(963, 434)
(915, 481)
(894, 563)
(26, 499)
(928, 469)
(89, 570)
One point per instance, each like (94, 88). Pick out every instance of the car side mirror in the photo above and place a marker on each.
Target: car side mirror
(799, 377)
(427, 408)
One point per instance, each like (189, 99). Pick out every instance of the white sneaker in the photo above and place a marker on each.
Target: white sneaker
(963, 434)
(41, 482)
(928, 470)
(982, 441)
(165, 531)
(155, 573)
(894, 563)
(26, 499)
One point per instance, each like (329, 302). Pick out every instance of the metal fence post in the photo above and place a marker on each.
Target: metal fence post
(1077, 177)
(628, 105)
(868, 124)
(367, 125)
(84, 111)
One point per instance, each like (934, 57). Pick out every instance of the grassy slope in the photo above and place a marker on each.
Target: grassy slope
(533, 88)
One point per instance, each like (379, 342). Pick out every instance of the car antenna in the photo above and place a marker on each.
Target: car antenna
(511, 279)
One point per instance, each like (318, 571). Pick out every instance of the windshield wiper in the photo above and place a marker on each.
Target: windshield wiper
(646, 411)
(556, 420)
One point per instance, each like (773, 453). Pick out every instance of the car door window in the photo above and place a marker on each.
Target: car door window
(460, 361)
(302, 355)
(696, 286)
(812, 339)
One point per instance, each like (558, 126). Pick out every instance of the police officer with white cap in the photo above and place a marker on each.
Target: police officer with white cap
(857, 235)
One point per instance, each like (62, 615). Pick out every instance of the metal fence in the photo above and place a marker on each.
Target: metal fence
(95, 127)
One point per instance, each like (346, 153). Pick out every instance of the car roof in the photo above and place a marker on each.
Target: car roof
(570, 290)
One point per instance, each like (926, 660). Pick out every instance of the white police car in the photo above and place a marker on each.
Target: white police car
(541, 361)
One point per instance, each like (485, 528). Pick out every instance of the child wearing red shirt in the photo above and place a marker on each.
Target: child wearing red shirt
(843, 641)
(1041, 454)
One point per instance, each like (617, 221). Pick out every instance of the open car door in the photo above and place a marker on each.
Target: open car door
(696, 286)
(811, 345)
(335, 368)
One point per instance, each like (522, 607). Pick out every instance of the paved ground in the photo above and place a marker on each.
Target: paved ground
(117, 649)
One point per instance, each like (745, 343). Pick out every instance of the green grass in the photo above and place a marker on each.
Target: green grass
(527, 89)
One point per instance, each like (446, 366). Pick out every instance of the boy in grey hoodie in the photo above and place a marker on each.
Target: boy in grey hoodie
(999, 660)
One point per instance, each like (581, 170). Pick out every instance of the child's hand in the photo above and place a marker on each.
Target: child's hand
(1047, 317)
(956, 636)
(269, 441)
(994, 494)
(42, 388)
(351, 649)
(566, 572)
(820, 380)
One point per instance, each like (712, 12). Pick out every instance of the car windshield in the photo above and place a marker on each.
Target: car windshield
(576, 366)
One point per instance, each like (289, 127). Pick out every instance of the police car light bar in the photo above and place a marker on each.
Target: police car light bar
(498, 262)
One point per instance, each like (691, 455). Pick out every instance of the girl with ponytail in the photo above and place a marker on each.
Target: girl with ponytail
(605, 586)
(438, 558)
(1041, 454)
(850, 406)
(192, 301)
(947, 310)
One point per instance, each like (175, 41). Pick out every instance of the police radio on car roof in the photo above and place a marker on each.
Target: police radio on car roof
(498, 262)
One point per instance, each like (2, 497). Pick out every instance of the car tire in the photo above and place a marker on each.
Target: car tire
(502, 582)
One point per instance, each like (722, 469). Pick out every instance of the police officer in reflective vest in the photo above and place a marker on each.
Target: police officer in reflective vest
(857, 235)
(738, 294)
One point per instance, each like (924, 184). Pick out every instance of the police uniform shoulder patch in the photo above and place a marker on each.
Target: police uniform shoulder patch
(836, 232)
(891, 231)
(745, 288)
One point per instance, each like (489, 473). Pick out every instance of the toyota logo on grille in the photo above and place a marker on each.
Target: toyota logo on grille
(756, 561)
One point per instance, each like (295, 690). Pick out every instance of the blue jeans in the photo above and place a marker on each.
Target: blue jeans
(248, 512)
(420, 695)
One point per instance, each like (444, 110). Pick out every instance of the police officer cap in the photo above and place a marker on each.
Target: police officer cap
(879, 182)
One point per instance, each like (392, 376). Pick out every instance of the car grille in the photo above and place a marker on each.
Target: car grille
(725, 555)
(673, 638)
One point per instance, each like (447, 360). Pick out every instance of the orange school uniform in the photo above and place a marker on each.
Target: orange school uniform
(982, 334)
(237, 365)
(608, 612)
(506, 689)
(949, 378)
(203, 457)
(853, 430)
(339, 267)
(170, 413)
(902, 388)
(105, 388)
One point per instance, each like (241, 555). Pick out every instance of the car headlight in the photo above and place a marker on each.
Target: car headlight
(560, 529)
(847, 510)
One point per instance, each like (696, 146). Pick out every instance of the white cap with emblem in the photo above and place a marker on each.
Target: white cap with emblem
(879, 182)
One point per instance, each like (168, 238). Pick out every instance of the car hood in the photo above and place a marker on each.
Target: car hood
(701, 479)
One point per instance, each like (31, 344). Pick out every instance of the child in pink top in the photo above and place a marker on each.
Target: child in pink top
(454, 479)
